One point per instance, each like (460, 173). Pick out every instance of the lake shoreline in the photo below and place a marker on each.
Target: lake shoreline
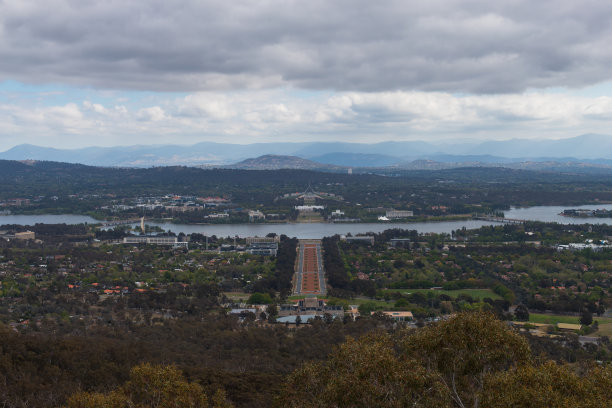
(323, 229)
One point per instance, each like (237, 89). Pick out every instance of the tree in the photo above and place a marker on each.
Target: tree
(272, 312)
(442, 365)
(259, 299)
(586, 318)
(366, 308)
(364, 373)
(148, 386)
(521, 313)
(465, 349)
(548, 386)
(219, 399)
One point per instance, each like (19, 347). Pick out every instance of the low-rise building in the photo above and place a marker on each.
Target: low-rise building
(256, 215)
(262, 240)
(337, 214)
(581, 246)
(25, 235)
(399, 214)
(369, 239)
(310, 306)
(400, 242)
(219, 215)
(309, 208)
(145, 239)
(237, 311)
(569, 327)
(263, 248)
(353, 311)
(398, 316)
(305, 318)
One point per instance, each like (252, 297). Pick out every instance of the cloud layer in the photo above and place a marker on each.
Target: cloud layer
(284, 115)
(476, 46)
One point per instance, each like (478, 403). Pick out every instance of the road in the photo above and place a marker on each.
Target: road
(309, 274)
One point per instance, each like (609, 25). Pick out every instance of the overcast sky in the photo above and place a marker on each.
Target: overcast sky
(81, 73)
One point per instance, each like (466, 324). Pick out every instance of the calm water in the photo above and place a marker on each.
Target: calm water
(46, 219)
(315, 230)
(319, 230)
(551, 214)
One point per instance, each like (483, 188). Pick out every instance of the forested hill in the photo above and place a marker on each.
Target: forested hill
(42, 178)
(39, 170)
(275, 162)
(17, 179)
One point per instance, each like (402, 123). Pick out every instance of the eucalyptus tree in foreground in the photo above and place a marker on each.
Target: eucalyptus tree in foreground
(470, 360)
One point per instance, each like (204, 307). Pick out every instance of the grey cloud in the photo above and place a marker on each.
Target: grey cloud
(474, 46)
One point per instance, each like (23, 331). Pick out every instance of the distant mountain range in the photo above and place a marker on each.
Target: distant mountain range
(590, 149)
(275, 162)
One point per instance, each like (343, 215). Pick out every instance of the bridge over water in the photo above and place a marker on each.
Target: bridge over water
(127, 221)
(500, 220)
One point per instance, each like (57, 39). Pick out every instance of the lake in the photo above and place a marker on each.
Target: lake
(314, 230)
(47, 219)
(319, 230)
(551, 214)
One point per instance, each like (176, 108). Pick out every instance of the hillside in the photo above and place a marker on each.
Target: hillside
(275, 162)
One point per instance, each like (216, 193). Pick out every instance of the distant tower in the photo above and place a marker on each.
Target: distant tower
(350, 171)
(142, 226)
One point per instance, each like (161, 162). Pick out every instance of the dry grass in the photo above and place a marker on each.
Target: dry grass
(605, 329)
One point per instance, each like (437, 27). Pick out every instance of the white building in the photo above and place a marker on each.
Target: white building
(360, 238)
(309, 207)
(219, 215)
(256, 215)
(399, 214)
(173, 241)
(262, 240)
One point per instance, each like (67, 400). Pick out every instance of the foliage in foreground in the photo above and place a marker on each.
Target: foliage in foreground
(471, 360)
(151, 386)
(549, 385)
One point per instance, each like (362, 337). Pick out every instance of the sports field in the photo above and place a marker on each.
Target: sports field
(554, 319)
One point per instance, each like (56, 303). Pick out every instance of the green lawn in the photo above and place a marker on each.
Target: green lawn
(303, 296)
(379, 303)
(309, 217)
(554, 319)
(355, 301)
(475, 293)
(237, 295)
